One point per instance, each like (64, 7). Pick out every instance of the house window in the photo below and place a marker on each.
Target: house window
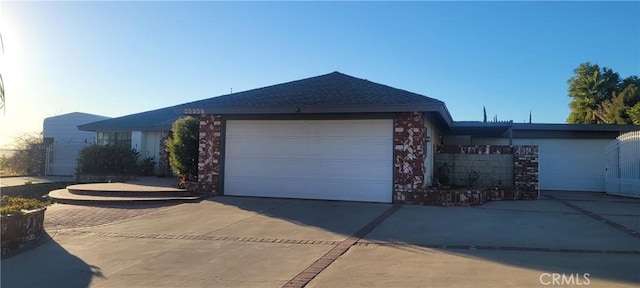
(114, 138)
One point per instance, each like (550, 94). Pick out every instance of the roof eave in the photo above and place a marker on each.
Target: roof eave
(577, 127)
(438, 107)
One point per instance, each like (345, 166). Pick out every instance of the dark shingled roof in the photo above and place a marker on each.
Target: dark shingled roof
(331, 93)
(155, 120)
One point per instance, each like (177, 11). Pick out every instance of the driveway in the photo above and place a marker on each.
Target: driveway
(564, 238)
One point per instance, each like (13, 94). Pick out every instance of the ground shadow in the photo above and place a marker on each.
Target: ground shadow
(47, 265)
(515, 237)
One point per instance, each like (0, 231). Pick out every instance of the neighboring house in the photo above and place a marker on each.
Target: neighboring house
(64, 140)
(339, 137)
(145, 132)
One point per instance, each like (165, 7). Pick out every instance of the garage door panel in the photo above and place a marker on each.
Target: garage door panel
(321, 169)
(313, 159)
(570, 164)
(304, 188)
(296, 148)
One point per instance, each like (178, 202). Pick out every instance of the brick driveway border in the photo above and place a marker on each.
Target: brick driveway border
(66, 216)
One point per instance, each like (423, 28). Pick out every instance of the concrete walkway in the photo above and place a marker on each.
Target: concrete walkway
(253, 242)
(17, 181)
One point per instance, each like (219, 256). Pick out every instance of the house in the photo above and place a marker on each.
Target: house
(339, 137)
(146, 132)
(64, 140)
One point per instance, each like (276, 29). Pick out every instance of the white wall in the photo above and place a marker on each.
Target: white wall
(136, 140)
(434, 138)
(150, 145)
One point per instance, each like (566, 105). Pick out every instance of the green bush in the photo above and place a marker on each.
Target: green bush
(108, 159)
(183, 148)
(16, 205)
(146, 167)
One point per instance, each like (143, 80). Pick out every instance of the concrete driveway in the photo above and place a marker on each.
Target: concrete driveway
(565, 238)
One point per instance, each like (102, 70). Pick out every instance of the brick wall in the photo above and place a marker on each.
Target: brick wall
(19, 230)
(526, 170)
(209, 156)
(524, 166)
(409, 154)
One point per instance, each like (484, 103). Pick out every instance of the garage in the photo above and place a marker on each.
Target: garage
(348, 160)
(570, 164)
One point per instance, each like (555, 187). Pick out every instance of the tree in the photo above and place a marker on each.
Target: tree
(600, 96)
(26, 157)
(183, 149)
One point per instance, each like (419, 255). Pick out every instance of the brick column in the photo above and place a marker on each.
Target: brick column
(525, 165)
(209, 155)
(408, 153)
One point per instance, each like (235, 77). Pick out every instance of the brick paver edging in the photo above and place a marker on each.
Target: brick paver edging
(501, 248)
(202, 238)
(616, 225)
(303, 278)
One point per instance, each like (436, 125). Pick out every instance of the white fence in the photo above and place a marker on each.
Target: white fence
(62, 158)
(622, 171)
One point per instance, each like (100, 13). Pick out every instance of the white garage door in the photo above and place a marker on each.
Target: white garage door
(570, 164)
(310, 159)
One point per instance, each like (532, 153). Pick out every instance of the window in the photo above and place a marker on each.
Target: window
(114, 138)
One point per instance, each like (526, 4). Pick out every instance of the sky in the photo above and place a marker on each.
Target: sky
(119, 58)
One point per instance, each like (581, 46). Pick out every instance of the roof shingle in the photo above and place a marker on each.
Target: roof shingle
(333, 92)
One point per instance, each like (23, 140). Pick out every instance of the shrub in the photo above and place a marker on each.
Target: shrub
(183, 148)
(28, 148)
(146, 167)
(16, 205)
(108, 159)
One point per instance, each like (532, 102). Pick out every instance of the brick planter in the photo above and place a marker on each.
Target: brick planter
(503, 193)
(443, 197)
(461, 197)
(20, 230)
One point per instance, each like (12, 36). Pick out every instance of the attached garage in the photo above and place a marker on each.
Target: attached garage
(311, 159)
(571, 157)
(570, 164)
(331, 137)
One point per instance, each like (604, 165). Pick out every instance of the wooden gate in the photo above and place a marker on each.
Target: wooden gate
(622, 170)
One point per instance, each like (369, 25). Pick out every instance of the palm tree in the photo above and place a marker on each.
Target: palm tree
(585, 89)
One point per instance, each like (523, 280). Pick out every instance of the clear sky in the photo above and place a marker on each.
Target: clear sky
(119, 58)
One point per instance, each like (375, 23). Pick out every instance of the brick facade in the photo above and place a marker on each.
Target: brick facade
(408, 154)
(526, 170)
(525, 178)
(209, 155)
(408, 160)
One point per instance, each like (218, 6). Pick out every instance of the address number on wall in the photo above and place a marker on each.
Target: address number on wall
(194, 111)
